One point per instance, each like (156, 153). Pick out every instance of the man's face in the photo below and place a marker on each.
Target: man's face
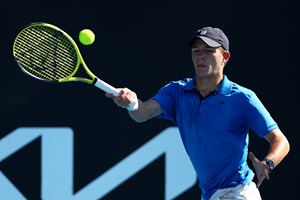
(208, 61)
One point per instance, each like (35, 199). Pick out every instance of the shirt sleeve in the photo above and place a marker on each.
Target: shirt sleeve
(258, 117)
(165, 97)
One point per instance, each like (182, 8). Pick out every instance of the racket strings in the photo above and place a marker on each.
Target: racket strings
(45, 53)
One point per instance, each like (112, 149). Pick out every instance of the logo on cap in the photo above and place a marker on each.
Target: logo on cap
(202, 31)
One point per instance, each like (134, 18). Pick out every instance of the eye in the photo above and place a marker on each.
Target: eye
(210, 50)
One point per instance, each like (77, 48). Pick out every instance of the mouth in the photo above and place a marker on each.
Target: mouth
(201, 66)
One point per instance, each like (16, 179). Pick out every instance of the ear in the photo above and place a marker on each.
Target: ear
(226, 56)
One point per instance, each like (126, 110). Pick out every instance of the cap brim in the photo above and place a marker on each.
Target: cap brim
(207, 40)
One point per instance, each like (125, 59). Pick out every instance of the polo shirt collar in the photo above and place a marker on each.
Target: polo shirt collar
(224, 86)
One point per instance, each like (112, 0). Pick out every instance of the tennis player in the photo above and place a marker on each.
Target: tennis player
(214, 116)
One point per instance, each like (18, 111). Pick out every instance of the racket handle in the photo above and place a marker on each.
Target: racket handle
(106, 87)
(110, 89)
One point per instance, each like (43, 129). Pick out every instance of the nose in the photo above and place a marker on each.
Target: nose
(200, 56)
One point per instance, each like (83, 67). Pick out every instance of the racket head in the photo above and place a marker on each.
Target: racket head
(47, 53)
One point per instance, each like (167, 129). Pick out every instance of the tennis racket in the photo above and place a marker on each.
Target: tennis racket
(47, 53)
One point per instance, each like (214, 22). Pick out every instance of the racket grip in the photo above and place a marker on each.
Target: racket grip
(110, 89)
(106, 87)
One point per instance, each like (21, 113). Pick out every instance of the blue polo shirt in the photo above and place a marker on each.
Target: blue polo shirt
(214, 129)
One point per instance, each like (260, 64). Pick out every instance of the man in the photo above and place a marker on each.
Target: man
(214, 116)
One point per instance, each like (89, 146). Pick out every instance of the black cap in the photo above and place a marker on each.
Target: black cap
(213, 37)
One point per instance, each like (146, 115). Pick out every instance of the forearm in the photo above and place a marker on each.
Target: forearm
(279, 147)
(138, 115)
(146, 110)
(142, 110)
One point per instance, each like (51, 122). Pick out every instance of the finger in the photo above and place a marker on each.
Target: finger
(121, 102)
(258, 183)
(252, 156)
(121, 92)
(260, 180)
(117, 100)
(109, 95)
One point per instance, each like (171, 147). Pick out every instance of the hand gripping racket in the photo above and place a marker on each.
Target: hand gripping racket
(47, 53)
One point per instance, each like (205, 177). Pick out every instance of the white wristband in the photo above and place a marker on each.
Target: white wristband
(133, 105)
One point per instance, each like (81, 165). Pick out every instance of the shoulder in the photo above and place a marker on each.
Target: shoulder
(241, 89)
(187, 84)
(231, 88)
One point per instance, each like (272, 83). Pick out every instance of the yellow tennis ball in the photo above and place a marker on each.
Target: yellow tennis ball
(86, 37)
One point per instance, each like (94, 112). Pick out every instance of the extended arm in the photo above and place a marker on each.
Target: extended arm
(144, 111)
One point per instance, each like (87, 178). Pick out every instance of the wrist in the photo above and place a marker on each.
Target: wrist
(270, 164)
(134, 105)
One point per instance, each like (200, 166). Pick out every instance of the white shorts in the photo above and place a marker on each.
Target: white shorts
(239, 192)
